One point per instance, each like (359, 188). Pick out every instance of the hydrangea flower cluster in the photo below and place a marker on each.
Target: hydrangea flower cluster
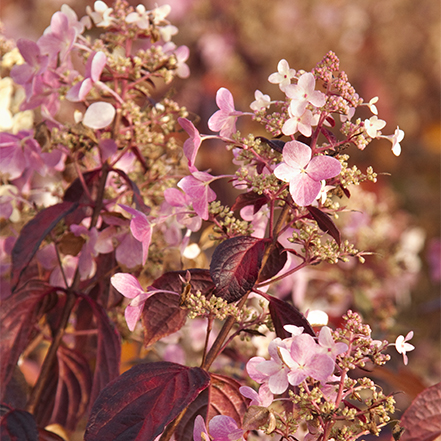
(101, 206)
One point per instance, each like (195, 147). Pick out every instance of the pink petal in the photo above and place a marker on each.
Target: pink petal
(307, 82)
(132, 315)
(255, 374)
(296, 154)
(317, 98)
(199, 428)
(224, 428)
(127, 285)
(285, 172)
(175, 197)
(304, 190)
(97, 65)
(278, 383)
(323, 167)
(224, 100)
(99, 115)
(191, 145)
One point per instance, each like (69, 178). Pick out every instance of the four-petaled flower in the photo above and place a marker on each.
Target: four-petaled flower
(283, 75)
(299, 123)
(129, 287)
(303, 173)
(261, 101)
(373, 125)
(402, 346)
(224, 120)
(303, 93)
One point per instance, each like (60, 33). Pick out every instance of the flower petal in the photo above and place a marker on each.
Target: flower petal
(127, 285)
(99, 115)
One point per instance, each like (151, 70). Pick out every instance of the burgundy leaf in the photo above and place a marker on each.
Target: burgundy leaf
(108, 350)
(283, 313)
(225, 398)
(200, 281)
(162, 316)
(422, 420)
(325, 223)
(235, 266)
(75, 192)
(33, 233)
(143, 400)
(73, 388)
(276, 261)
(18, 315)
(250, 198)
(221, 398)
(17, 425)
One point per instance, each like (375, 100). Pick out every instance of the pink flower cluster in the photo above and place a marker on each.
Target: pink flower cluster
(294, 359)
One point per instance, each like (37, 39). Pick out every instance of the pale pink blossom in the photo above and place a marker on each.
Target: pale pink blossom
(303, 173)
(305, 359)
(224, 120)
(299, 123)
(94, 67)
(141, 229)
(283, 75)
(402, 346)
(262, 398)
(129, 287)
(140, 17)
(261, 101)
(221, 428)
(197, 187)
(101, 14)
(373, 125)
(395, 139)
(327, 344)
(303, 93)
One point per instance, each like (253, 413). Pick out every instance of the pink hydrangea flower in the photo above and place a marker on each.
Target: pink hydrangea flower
(303, 173)
(261, 101)
(222, 428)
(192, 144)
(141, 230)
(129, 287)
(94, 67)
(224, 120)
(305, 359)
(59, 37)
(327, 344)
(301, 123)
(262, 398)
(196, 187)
(303, 93)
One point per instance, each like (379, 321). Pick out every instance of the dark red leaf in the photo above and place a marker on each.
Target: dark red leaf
(235, 266)
(73, 388)
(276, 261)
(75, 192)
(162, 316)
(18, 316)
(225, 398)
(250, 198)
(325, 223)
(200, 281)
(17, 425)
(141, 402)
(283, 313)
(33, 233)
(422, 420)
(108, 350)
(221, 398)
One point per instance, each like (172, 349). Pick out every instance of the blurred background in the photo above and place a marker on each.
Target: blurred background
(388, 48)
